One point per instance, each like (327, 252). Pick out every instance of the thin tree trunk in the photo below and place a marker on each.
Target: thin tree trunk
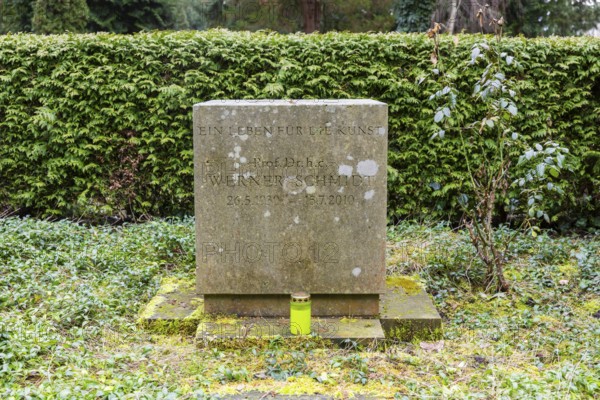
(311, 13)
(454, 4)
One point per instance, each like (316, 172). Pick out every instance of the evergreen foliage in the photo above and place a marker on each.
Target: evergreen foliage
(558, 17)
(193, 14)
(413, 15)
(530, 18)
(15, 15)
(128, 16)
(358, 16)
(101, 125)
(58, 16)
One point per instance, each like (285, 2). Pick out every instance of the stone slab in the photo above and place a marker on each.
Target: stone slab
(407, 313)
(338, 330)
(176, 308)
(290, 195)
(329, 305)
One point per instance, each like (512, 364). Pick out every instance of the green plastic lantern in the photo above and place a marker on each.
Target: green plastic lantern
(300, 313)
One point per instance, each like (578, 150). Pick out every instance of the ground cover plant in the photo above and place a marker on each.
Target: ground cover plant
(69, 297)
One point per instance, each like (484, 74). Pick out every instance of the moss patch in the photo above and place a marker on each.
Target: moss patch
(173, 284)
(591, 306)
(568, 270)
(410, 285)
(410, 331)
(176, 309)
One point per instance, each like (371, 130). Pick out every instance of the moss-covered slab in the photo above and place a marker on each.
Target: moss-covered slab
(176, 308)
(407, 313)
(336, 330)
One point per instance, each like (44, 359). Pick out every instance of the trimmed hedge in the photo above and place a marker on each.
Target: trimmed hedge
(100, 125)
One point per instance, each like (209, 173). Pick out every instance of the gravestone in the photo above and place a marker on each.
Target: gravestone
(290, 195)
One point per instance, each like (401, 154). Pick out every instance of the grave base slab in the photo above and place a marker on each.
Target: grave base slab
(326, 305)
(406, 314)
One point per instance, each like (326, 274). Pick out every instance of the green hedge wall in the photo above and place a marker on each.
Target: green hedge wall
(100, 125)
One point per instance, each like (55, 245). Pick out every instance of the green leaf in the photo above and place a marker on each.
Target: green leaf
(541, 168)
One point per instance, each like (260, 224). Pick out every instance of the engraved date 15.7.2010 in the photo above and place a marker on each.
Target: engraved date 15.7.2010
(309, 199)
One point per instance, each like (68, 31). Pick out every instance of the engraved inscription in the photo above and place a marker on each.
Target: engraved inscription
(293, 184)
(292, 175)
(270, 131)
(310, 200)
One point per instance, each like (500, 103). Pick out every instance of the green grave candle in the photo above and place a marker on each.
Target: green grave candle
(300, 313)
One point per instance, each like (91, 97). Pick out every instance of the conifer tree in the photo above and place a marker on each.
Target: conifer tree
(15, 15)
(58, 16)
